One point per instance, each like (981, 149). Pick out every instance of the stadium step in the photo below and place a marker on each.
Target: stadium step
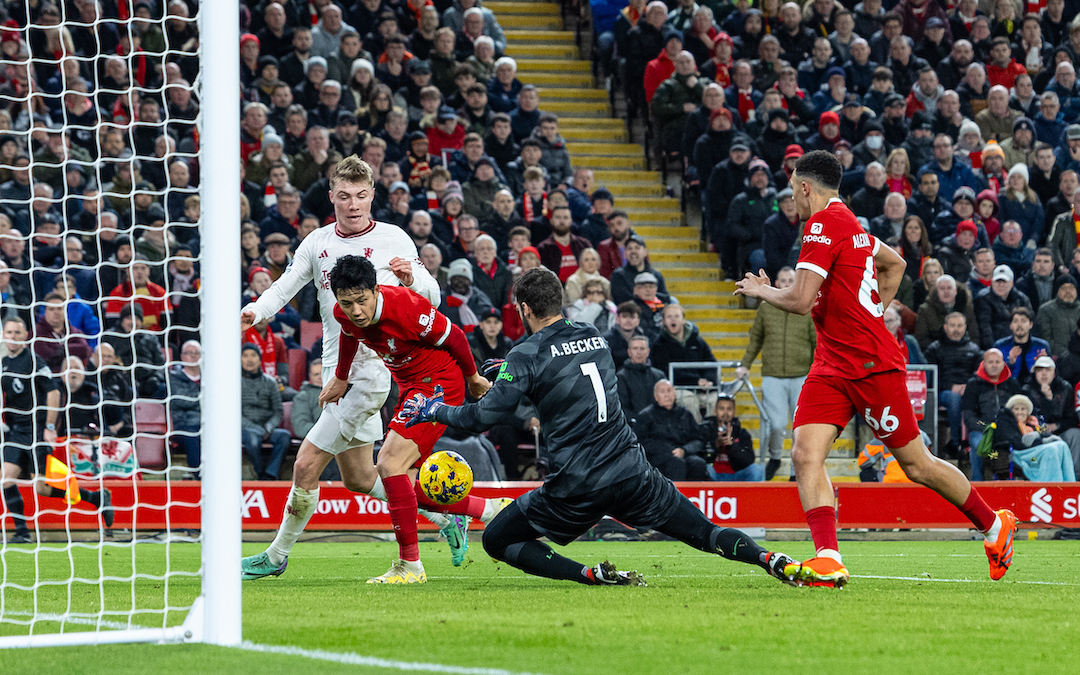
(525, 37)
(600, 162)
(590, 135)
(605, 149)
(527, 66)
(582, 108)
(502, 8)
(572, 94)
(526, 52)
(555, 79)
(531, 21)
(694, 286)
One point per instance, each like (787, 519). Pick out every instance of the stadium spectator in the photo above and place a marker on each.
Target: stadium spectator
(553, 155)
(487, 340)
(729, 445)
(431, 257)
(984, 396)
(624, 279)
(1062, 240)
(675, 98)
(982, 272)
(54, 340)
(560, 251)
(1009, 249)
(786, 343)
(490, 275)
(133, 346)
(1021, 348)
(956, 356)
(149, 297)
(1023, 443)
(588, 270)
(261, 414)
(1057, 318)
(680, 341)
(462, 303)
(748, 211)
(594, 306)
(627, 326)
(670, 436)
(948, 297)
(1053, 398)
(637, 378)
(526, 116)
(80, 401)
(185, 385)
(651, 302)
(613, 249)
(1038, 281)
(994, 307)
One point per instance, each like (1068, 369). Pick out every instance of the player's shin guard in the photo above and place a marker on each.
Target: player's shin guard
(298, 511)
(402, 501)
(14, 502)
(470, 506)
(379, 492)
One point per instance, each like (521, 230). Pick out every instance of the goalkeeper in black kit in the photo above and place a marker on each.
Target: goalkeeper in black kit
(598, 468)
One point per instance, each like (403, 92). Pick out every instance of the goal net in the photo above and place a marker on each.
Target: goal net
(118, 361)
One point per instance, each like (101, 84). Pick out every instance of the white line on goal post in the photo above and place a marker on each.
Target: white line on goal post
(220, 144)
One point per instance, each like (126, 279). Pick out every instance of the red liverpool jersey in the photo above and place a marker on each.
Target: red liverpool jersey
(412, 338)
(852, 341)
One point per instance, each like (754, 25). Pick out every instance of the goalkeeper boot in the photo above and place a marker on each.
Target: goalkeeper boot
(820, 571)
(777, 565)
(605, 574)
(259, 566)
(456, 532)
(1000, 551)
(402, 572)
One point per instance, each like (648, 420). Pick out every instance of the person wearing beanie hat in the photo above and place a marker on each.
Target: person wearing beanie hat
(854, 117)
(1021, 144)
(874, 147)
(726, 180)
(827, 134)
(662, 66)
(1020, 203)
(714, 145)
(778, 135)
(992, 169)
(748, 211)
(260, 403)
(1057, 319)
(970, 144)
(833, 90)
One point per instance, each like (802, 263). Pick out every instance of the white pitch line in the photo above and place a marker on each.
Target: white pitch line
(961, 581)
(372, 661)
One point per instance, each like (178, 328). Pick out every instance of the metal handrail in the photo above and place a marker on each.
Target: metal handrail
(731, 387)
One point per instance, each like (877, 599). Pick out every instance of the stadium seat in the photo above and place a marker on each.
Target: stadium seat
(310, 331)
(286, 417)
(298, 361)
(151, 426)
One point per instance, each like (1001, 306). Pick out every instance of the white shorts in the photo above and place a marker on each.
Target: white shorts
(355, 419)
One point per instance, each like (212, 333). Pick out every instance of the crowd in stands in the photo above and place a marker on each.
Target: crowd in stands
(958, 127)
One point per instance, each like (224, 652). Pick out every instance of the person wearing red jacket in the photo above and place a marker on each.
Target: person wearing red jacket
(613, 249)
(447, 133)
(661, 68)
(1002, 68)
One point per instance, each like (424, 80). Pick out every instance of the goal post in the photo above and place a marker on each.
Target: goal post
(54, 593)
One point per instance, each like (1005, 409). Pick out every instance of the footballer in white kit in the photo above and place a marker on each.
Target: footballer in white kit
(348, 428)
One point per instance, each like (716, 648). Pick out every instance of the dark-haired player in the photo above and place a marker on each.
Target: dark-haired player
(31, 406)
(424, 353)
(847, 278)
(598, 468)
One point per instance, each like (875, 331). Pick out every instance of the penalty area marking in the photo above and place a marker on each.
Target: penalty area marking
(375, 662)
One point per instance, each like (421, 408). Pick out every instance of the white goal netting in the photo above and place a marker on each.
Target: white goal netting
(103, 247)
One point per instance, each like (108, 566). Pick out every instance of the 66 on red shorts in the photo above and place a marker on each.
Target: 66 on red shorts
(881, 399)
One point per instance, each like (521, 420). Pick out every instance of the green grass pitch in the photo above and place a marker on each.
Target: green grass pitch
(911, 607)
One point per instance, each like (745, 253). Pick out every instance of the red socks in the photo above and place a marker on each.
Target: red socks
(402, 503)
(978, 511)
(470, 506)
(822, 522)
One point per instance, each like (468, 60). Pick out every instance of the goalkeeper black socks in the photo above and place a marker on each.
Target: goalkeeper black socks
(16, 508)
(539, 559)
(735, 545)
(93, 497)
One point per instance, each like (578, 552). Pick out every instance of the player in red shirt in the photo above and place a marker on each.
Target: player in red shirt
(424, 353)
(846, 278)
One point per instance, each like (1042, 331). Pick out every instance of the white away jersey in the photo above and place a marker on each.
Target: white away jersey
(315, 258)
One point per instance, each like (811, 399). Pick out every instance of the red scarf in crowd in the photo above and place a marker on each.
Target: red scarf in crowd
(266, 346)
(528, 209)
(746, 106)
